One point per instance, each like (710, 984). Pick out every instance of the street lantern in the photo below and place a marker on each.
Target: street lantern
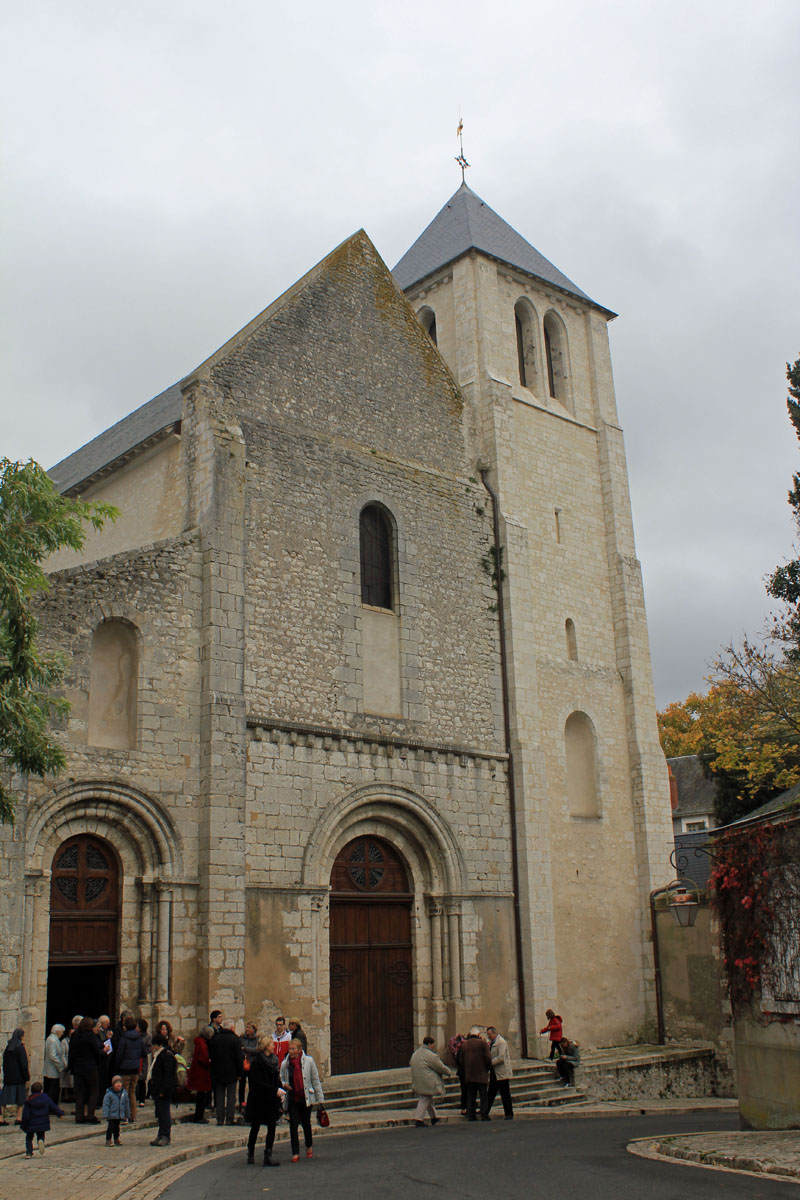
(683, 906)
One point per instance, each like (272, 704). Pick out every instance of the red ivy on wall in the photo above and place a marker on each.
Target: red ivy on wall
(740, 880)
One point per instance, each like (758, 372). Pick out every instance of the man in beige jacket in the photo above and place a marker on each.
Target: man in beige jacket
(428, 1073)
(501, 1072)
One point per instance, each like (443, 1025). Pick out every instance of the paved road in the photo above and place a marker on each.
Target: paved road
(577, 1160)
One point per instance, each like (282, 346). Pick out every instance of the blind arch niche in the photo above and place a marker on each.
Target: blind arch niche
(580, 745)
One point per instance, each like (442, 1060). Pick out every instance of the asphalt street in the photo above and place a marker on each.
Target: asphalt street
(577, 1160)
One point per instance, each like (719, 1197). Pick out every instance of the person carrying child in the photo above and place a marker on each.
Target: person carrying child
(554, 1027)
(116, 1109)
(36, 1118)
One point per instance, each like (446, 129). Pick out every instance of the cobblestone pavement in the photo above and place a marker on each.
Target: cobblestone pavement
(78, 1162)
(776, 1154)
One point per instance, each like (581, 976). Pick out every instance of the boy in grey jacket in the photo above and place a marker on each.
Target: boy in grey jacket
(116, 1109)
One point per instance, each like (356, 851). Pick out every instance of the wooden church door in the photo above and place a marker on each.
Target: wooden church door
(372, 1026)
(84, 930)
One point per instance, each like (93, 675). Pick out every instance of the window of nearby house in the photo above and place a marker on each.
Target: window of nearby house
(695, 826)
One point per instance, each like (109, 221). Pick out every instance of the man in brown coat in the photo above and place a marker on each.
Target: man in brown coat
(477, 1061)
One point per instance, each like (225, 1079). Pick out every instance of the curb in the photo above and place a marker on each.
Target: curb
(657, 1150)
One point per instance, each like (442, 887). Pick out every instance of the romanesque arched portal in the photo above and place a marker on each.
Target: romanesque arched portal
(372, 1005)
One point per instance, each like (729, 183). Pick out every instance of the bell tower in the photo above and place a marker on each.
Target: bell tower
(530, 352)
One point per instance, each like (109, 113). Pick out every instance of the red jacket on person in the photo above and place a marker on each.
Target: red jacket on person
(199, 1076)
(554, 1027)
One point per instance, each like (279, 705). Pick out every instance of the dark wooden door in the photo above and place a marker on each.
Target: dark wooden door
(370, 955)
(84, 904)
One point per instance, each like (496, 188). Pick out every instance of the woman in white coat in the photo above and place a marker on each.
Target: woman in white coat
(300, 1078)
(55, 1062)
(428, 1074)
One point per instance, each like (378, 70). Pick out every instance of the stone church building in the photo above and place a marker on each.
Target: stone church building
(362, 728)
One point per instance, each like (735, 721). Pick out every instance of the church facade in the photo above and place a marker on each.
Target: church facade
(362, 725)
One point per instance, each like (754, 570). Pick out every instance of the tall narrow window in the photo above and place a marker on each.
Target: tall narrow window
(376, 557)
(524, 325)
(555, 349)
(113, 686)
(427, 319)
(572, 641)
(579, 744)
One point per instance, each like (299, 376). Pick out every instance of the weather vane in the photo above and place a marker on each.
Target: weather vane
(462, 162)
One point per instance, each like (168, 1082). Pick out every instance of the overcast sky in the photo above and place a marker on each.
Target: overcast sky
(171, 167)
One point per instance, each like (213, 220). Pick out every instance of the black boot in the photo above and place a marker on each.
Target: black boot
(251, 1158)
(268, 1160)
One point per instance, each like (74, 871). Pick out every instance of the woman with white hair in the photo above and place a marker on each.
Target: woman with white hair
(55, 1062)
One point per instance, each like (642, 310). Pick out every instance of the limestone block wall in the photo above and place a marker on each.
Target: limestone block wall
(143, 800)
(558, 465)
(150, 493)
(305, 636)
(446, 812)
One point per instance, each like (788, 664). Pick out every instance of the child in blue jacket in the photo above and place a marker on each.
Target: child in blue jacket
(116, 1109)
(36, 1118)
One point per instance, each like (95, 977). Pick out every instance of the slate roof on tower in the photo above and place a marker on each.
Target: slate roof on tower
(467, 223)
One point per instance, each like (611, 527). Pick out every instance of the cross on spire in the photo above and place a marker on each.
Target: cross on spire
(460, 159)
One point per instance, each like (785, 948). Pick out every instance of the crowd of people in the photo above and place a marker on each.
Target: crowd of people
(483, 1066)
(115, 1069)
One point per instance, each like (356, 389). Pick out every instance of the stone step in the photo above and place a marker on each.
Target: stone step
(543, 1094)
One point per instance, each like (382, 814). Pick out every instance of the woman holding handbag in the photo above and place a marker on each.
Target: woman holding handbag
(264, 1099)
(300, 1078)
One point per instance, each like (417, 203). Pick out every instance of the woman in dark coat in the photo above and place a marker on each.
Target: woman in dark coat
(198, 1079)
(84, 1062)
(163, 1082)
(264, 1098)
(15, 1074)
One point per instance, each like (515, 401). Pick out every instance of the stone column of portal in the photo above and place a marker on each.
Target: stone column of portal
(164, 892)
(454, 929)
(146, 946)
(435, 917)
(216, 474)
(650, 783)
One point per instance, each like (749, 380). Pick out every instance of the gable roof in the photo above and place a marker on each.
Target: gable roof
(696, 791)
(108, 448)
(467, 223)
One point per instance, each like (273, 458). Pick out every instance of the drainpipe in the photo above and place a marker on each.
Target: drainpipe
(512, 795)
(657, 965)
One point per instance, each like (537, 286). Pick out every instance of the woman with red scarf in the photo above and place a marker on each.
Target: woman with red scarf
(300, 1078)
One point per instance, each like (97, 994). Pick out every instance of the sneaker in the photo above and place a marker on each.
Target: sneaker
(118, 1142)
(29, 1154)
(109, 1142)
(41, 1147)
(160, 1141)
(309, 1153)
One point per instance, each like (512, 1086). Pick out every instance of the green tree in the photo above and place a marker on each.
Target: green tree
(749, 750)
(784, 583)
(35, 521)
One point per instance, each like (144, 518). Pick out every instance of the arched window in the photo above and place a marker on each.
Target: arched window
(555, 349)
(427, 319)
(572, 641)
(377, 557)
(525, 326)
(113, 686)
(579, 741)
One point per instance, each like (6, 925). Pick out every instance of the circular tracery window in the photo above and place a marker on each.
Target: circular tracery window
(84, 875)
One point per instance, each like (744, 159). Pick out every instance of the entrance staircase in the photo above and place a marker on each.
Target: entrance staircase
(534, 1085)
